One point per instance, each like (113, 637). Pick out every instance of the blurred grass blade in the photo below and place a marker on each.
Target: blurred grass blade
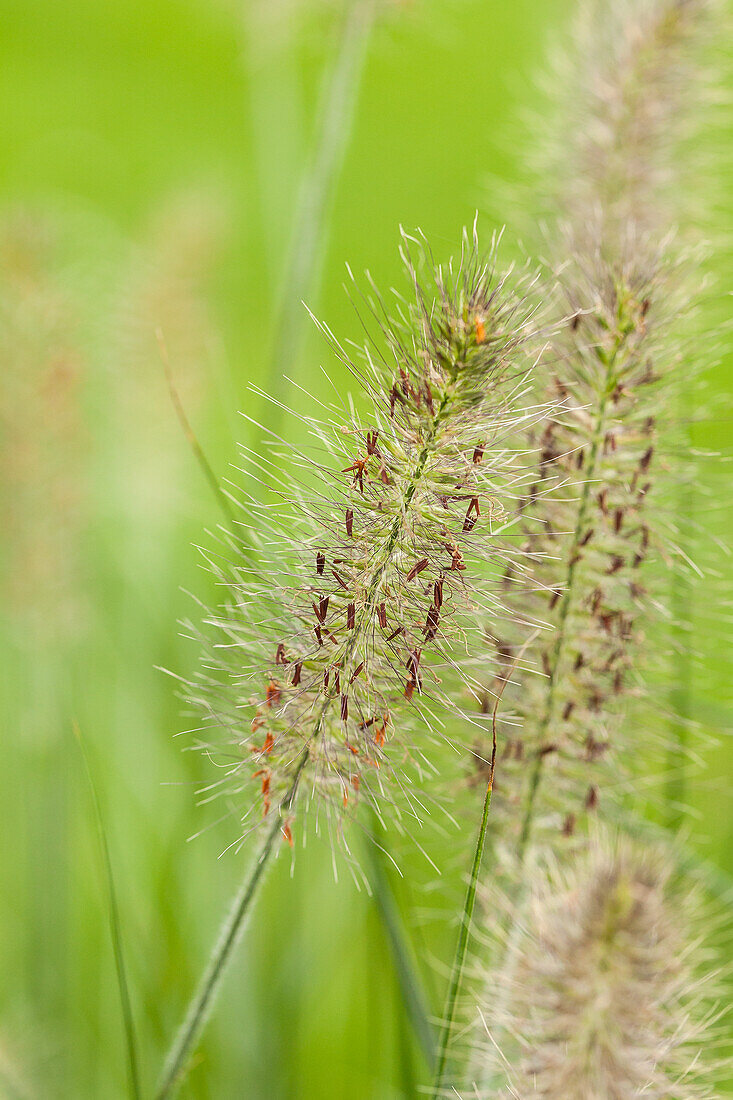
(115, 930)
(413, 996)
(198, 451)
(309, 233)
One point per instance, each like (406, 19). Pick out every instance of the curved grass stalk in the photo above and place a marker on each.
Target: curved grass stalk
(464, 934)
(202, 1002)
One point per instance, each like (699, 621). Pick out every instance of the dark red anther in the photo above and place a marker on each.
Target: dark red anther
(457, 562)
(472, 515)
(579, 662)
(326, 676)
(321, 608)
(438, 592)
(337, 682)
(568, 710)
(280, 658)
(356, 672)
(382, 616)
(340, 580)
(478, 453)
(431, 623)
(575, 321)
(645, 460)
(393, 635)
(317, 632)
(617, 562)
(351, 616)
(296, 674)
(413, 663)
(344, 708)
(555, 597)
(569, 825)
(602, 501)
(586, 537)
(417, 568)
(349, 522)
(591, 798)
(618, 519)
(320, 562)
(545, 750)
(392, 401)
(371, 443)
(618, 682)
(429, 399)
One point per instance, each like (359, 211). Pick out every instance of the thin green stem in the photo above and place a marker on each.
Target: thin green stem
(464, 934)
(202, 1002)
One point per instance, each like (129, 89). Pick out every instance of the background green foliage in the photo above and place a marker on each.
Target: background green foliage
(136, 132)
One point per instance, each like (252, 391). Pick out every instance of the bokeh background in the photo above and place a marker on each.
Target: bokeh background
(153, 154)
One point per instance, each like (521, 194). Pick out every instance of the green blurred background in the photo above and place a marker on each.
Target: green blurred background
(151, 159)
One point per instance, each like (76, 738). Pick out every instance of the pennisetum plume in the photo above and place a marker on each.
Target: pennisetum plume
(590, 520)
(610, 989)
(319, 672)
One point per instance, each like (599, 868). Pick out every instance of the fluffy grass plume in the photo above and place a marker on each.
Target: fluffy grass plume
(591, 521)
(610, 993)
(320, 670)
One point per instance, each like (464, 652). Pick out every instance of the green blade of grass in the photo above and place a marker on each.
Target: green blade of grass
(115, 927)
(413, 996)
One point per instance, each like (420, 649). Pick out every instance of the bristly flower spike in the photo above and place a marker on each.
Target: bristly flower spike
(315, 670)
(313, 665)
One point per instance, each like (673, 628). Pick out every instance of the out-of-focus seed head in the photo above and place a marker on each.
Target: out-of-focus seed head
(608, 994)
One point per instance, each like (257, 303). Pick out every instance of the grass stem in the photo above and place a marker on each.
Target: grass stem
(202, 1002)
